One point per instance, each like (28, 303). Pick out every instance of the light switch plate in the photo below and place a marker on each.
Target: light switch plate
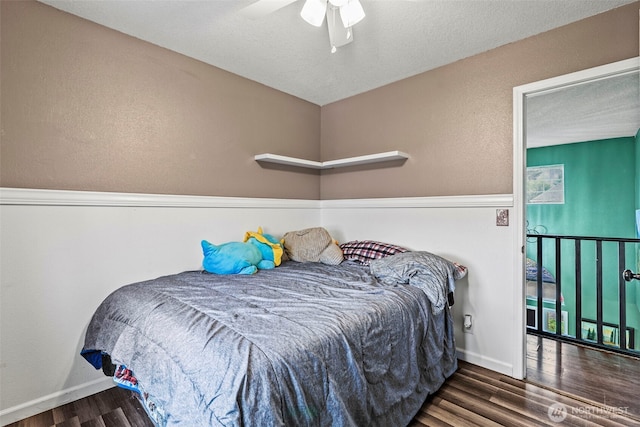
(502, 217)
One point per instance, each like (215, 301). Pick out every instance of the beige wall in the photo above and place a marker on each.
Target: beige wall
(84, 107)
(87, 108)
(456, 121)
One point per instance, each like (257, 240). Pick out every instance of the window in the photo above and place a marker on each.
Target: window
(545, 184)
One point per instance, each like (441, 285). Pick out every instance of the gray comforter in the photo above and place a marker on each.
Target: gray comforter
(305, 344)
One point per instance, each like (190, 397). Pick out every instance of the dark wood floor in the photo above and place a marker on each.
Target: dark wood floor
(115, 407)
(566, 386)
(475, 396)
(604, 378)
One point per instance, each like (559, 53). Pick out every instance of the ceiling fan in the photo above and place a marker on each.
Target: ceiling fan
(314, 11)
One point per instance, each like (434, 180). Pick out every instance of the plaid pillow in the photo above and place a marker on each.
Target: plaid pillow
(460, 271)
(365, 251)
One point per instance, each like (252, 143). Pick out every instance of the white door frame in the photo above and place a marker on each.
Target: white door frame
(519, 163)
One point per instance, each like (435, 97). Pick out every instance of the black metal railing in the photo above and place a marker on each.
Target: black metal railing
(596, 336)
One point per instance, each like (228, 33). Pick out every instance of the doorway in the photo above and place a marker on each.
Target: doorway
(540, 124)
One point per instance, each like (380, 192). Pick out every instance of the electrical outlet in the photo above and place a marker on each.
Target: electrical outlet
(467, 324)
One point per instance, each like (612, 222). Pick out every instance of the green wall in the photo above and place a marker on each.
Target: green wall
(601, 196)
(637, 193)
(638, 213)
(637, 172)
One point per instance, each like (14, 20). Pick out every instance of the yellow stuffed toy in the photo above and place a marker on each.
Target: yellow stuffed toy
(269, 246)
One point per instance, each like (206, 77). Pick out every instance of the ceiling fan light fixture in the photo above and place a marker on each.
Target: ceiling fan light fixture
(338, 34)
(314, 11)
(351, 13)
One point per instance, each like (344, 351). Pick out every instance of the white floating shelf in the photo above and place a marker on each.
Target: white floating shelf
(349, 161)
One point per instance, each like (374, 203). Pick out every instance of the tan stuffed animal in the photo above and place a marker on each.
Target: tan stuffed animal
(312, 245)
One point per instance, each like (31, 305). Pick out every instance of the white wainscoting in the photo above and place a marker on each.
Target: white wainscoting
(462, 229)
(63, 252)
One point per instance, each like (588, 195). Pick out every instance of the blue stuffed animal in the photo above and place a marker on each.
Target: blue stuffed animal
(269, 246)
(233, 258)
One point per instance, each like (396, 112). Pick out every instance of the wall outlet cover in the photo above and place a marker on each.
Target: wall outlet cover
(502, 217)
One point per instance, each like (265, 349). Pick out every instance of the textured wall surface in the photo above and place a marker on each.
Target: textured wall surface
(88, 108)
(456, 122)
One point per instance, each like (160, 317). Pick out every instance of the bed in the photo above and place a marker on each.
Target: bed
(304, 344)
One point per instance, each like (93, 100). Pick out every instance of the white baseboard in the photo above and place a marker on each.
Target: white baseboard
(485, 362)
(53, 400)
(46, 403)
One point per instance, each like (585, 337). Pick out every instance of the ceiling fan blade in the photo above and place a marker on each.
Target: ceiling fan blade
(264, 7)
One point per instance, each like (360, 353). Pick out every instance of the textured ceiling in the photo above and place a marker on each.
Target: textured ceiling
(397, 39)
(590, 111)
